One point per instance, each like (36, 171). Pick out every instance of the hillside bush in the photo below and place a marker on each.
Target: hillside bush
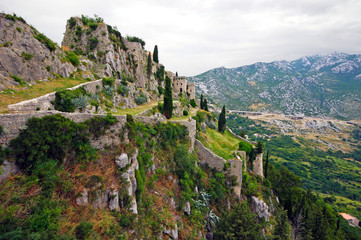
(83, 230)
(72, 58)
(46, 41)
(49, 139)
(193, 103)
(136, 39)
(245, 146)
(122, 90)
(27, 56)
(72, 22)
(64, 99)
(141, 99)
(93, 43)
(108, 81)
(17, 79)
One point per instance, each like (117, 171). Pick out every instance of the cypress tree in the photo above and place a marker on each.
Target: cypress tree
(168, 101)
(176, 74)
(205, 105)
(222, 120)
(155, 54)
(149, 65)
(201, 101)
(266, 166)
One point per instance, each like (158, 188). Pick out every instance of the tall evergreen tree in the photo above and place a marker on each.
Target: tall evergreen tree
(205, 105)
(149, 65)
(176, 74)
(155, 54)
(168, 101)
(266, 166)
(201, 102)
(222, 120)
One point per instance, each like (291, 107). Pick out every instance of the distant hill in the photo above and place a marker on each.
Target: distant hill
(313, 86)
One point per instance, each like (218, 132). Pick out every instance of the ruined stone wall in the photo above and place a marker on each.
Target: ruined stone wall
(13, 123)
(179, 85)
(236, 170)
(191, 90)
(258, 165)
(43, 103)
(239, 137)
(206, 156)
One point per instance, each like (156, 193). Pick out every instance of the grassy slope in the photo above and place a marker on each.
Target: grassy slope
(18, 94)
(221, 144)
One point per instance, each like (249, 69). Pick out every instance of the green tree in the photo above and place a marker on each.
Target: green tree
(239, 223)
(283, 229)
(222, 120)
(259, 146)
(176, 74)
(168, 101)
(155, 54)
(201, 102)
(205, 105)
(266, 165)
(149, 65)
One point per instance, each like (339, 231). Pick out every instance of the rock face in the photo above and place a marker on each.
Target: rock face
(260, 208)
(83, 199)
(22, 55)
(7, 169)
(129, 176)
(122, 160)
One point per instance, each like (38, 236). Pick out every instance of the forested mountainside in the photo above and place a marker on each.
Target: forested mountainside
(313, 86)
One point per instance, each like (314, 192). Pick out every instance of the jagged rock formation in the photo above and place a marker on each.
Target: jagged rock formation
(22, 55)
(259, 207)
(312, 86)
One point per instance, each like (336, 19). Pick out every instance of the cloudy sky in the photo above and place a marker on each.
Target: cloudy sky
(194, 36)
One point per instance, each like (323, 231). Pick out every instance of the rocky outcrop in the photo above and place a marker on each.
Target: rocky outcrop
(22, 55)
(82, 200)
(259, 207)
(7, 169)
(172, 233)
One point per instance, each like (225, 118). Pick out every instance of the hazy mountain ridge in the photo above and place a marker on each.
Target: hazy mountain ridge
(316, 86)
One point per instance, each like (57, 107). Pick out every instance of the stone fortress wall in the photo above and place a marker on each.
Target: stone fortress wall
(43, 103)
(181, 85)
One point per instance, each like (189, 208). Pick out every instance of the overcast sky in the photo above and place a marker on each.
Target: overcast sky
(194, 36)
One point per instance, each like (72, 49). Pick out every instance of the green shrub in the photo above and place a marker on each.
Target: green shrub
(46, 41)
(83, 230)
(78, 31)
(141, 99)
(2, 131)
(93, 43)
(18, 29)
(17, 79)
(160, 90)
(193, 103)
(64, 99)
(122, 90)
(93, 26)
(72, 58)
(136, 39)
(81, 102)
(72, 22)
(49, 139)
(45, 216)
(185, 113)
(245, 146)
(108, 81)
(48, 68)
(98, 125)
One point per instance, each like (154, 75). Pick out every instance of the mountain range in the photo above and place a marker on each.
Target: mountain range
(322, 86)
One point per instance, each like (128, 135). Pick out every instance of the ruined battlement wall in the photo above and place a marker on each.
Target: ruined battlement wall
(43, 103)
(13, 123)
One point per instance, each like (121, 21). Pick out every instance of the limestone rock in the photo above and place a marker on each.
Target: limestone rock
(114, 200)
(187, 208)
(101, 199)
(260, 208)
(83, 199)
(7, 169)
(172, 233)
(129, 176)
(122, 160)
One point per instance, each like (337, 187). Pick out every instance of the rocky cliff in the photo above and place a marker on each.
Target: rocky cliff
(27, 55)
